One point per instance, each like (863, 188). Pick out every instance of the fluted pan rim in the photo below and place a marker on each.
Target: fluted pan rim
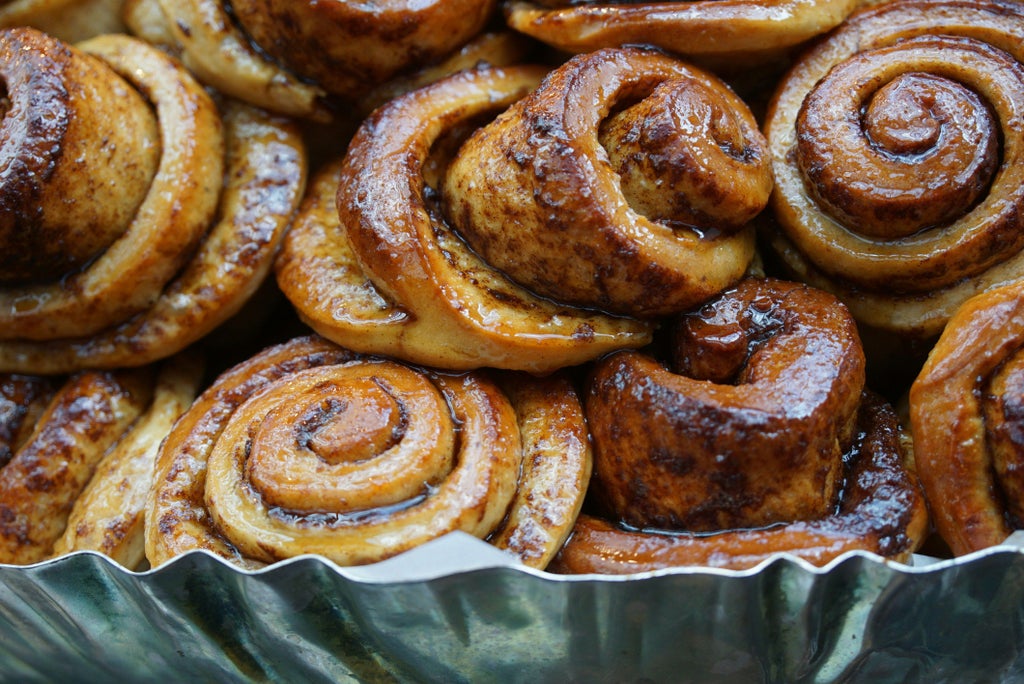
(304, 619)
(459, 553)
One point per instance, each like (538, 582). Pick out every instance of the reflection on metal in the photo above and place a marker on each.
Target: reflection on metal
(458, 610)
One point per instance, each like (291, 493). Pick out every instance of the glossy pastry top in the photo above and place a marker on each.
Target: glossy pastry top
(373, 263)
(965, 410)
(727, 33)
(79, 147)
(39, 485)
(523, 218)
(191, 196)
(912, 116)
(349, 47)
(758, 437)
(311, 60)
(177, 201)
(882, 510)
(607, 171)
(310, 448)
(749, 426)
(107, 516)
(897, 160)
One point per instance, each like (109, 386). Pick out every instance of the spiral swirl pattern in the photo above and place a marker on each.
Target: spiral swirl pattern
(967, 415)
(186, 249)
(898, 160)
(611, 173)
(310, 448)
(371, 263)
(759, 439)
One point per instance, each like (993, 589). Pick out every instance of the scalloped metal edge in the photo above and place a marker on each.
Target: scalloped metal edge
(459, 610)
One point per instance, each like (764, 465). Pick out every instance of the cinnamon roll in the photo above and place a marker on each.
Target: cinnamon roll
(108, 515)
(295, 57)
(553, 233)
(967, 414)
(310, 448)
(897, 150)
(631, 179)
(54, 434)
(137, 217)
(759, 438)
(371, 264)
(723, 32)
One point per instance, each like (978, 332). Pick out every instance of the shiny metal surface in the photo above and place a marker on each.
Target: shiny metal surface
(457, 610)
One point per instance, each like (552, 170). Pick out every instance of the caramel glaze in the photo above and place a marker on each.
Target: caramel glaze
(108, 515)
(608, 173)
(38, 486)
(494, 48)
(178, 201)
(69, 20)
(194, 250)
(79, 147)
(882, 511)
(372, 263)
(349, 47)
(310, 448)
(760, 439)
(899, 176)
(967, 421)
(211, 45)
(726, 32)
(313, 60)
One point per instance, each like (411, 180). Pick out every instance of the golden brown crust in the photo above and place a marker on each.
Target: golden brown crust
(371, 263)
(308, 60)
(898, 164)
(965, 412)
(882, 511)
(492, 48)
(556, 468)
(80, 147)
(310, 448)
(68, 20)
(747, 431)
(213, 47)
(108, 516)
(87, 415)
(728, 31)
(763, 441)
(349, 47)
(607, 171)
(198, 247)
(178, 207)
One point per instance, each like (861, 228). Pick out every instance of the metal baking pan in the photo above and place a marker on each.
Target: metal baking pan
(458, 610)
